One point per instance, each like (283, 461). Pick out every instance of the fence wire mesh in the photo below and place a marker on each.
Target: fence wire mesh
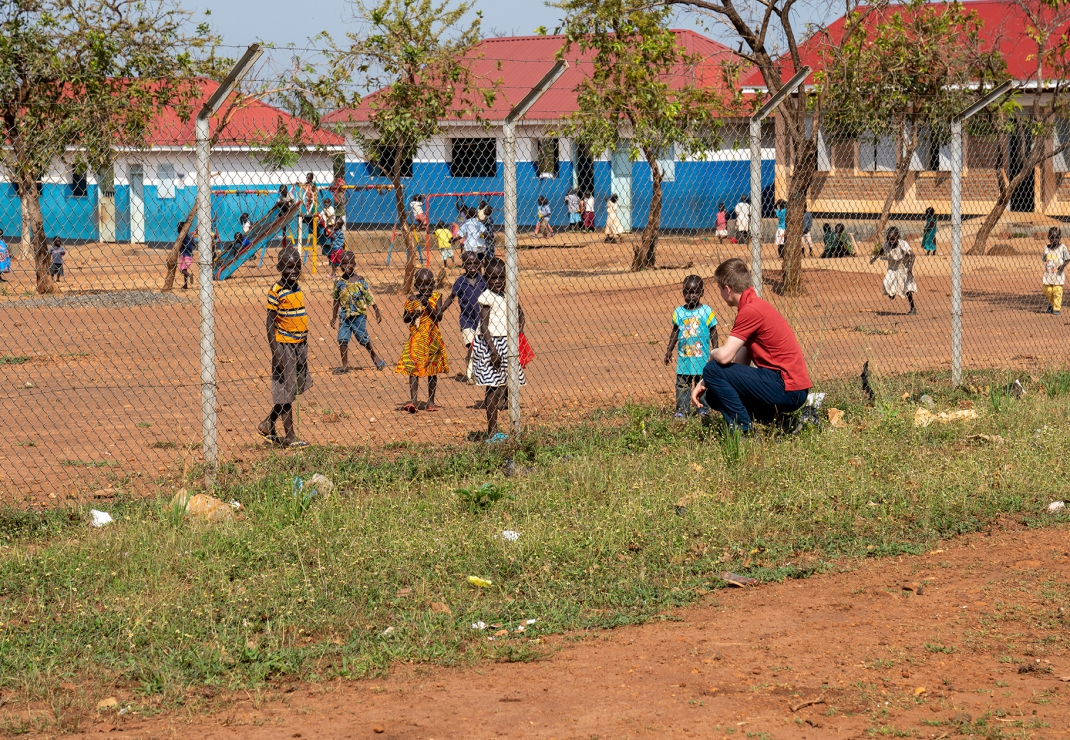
(101, 371)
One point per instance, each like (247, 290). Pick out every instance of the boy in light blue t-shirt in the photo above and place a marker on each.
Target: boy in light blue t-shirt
(694, 334)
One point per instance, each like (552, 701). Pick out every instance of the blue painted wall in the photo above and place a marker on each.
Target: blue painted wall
(74, 219)
(689, 203)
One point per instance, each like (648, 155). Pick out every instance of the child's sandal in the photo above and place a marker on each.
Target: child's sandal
(410, 407)
(430, 407)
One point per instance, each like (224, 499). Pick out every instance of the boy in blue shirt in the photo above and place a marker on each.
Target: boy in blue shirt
(466, 291)
(694, 333)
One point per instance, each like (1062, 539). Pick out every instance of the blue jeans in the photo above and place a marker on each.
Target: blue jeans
(355, 326)
(744, 394)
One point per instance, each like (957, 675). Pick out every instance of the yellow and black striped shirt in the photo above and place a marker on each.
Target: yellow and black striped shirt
(291, 320)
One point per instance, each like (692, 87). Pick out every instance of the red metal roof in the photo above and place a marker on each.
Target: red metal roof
(1005, 26)
(519, 62)
(255, 122)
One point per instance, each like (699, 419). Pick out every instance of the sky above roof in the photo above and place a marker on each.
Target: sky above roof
(284, 22)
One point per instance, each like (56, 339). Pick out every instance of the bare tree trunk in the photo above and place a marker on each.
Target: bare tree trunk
(906, 146)
(645, 253)
(172, 256)
(1006, 190)
(33, 218)
(25, 251)
(802, 176)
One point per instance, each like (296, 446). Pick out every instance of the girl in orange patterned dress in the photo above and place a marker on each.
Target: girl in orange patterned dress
(424, 354)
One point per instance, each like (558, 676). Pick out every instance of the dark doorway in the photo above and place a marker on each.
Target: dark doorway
(1020, 143)
(583, 163)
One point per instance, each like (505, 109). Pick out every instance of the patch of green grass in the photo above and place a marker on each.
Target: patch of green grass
(876, 330)
(936, 647)
(13, 359)
(343, 585)
(89, 463)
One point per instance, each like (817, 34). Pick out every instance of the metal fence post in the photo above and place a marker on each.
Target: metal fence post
(956, 227)
(512, 292)
(204, 280)
(756, 173)
(956, 253)
(204, 262)
(755, 202)
(512, 268)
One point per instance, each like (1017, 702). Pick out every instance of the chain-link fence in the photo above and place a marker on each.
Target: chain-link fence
(101, 377)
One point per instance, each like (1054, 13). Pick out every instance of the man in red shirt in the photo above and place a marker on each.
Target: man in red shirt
(777, 383)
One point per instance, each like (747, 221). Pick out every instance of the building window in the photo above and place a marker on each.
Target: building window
(381, 163)
(473, 158)
(165, 176)
(546, 162)
(876, 153)
(667, 163)
(79, 182)
(106, 182)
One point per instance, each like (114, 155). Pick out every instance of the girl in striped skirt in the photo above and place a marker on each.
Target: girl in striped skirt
(490, 349)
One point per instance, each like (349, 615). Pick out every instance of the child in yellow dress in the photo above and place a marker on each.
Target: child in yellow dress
(424, 354)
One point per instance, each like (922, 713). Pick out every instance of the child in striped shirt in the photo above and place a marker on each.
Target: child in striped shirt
(287, 335)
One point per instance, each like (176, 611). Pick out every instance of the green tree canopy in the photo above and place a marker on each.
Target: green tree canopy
(414, 56)
(80, 80)
(640, 93)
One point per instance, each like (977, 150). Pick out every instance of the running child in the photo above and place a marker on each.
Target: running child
(491, 347)
(542, 226)
(287, 335)
(928, 234)
(721, 231)
(58, 253)
(424, 354)
(185, 257)
(5, 258)
(1056, 258)
(693, 336)
(352, 298)
(899, 279)
(467, 289)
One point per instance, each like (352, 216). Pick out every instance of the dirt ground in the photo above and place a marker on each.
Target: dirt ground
(100, 388)
(981, 649)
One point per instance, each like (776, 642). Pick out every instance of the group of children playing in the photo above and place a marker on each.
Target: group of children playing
(480, 293)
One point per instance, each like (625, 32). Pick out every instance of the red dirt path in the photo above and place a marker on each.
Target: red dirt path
(880, 660)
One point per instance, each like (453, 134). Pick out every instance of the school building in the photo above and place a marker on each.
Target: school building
(467, 157)
(146, 194)
(855, 173)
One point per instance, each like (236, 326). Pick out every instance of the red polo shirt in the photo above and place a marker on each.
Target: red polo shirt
(771, 341)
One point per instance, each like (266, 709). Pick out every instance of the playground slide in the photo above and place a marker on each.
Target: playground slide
(262, 230)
